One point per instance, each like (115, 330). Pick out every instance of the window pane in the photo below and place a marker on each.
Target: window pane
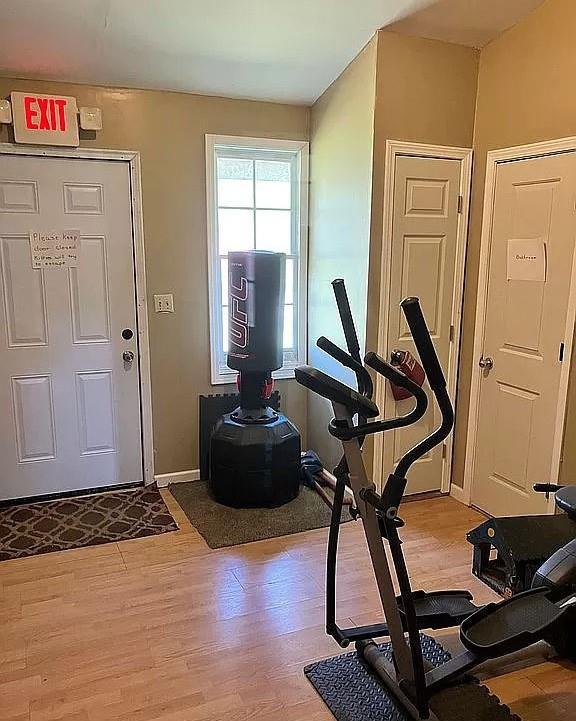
(289, 292)
(273, 230)
(235, 183)
(224, 279)
(224, 312)
(235, 230)
(272, 184)
(288, 326)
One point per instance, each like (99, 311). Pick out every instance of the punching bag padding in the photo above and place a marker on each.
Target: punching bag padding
(255, 310)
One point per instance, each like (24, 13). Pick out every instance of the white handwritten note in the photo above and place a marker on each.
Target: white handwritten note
(526, 260)
(55, 249)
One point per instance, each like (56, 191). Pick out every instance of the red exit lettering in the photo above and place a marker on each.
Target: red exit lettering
(45, 113)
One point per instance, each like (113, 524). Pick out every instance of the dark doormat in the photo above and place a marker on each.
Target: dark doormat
(32, 528)
(222, 526)
(352, 692)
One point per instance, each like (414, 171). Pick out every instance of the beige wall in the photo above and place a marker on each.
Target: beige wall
(425, 93)
(168, 129)
(341, 176)
(525, 95)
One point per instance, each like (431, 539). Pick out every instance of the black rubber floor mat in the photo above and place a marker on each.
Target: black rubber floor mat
(352, 693)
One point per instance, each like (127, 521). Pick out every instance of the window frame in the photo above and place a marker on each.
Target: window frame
(300, 149)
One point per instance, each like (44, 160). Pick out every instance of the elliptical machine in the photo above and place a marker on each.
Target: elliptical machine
(544, 612)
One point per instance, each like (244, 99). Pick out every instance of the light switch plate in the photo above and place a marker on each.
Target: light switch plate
(164, 303)
(5, 111)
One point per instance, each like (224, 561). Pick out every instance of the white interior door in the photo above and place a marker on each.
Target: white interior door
(423, 263)
(70, 402)
(524, 327)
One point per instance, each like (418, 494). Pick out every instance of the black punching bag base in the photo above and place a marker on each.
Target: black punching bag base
(254, 465)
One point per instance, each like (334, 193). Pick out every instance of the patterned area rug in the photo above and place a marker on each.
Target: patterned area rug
(33, 528)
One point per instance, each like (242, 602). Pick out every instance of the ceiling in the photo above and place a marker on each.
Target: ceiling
(287, 51)
(467, 22)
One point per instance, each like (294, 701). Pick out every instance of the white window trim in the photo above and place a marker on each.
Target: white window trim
(218, 377)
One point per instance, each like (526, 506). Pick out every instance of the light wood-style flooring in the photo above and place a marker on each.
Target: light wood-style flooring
(164, 629)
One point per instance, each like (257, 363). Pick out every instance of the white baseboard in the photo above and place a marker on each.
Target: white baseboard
(165, 479)
(459, 494)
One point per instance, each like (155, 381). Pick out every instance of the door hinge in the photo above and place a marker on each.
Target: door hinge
(561, 352)
(460, 203)
(452, 330)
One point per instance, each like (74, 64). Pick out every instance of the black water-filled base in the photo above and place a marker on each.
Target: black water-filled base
(254, 465)
(353, 693)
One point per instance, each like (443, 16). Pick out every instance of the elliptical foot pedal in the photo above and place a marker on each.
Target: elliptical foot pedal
(352, 692)
(441, 609)
(506, 627)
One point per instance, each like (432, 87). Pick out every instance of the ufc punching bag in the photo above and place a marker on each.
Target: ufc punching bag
(255, 451)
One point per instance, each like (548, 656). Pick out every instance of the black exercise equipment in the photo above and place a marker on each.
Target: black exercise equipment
(353, 693)
(314, 475)
(255, 451)
(508, 551)
(488, 632)
(434, 610)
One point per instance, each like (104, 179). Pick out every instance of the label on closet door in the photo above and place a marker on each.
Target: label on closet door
(55, 249)
(526, 260)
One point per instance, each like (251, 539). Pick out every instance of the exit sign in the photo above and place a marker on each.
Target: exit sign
(45, 119)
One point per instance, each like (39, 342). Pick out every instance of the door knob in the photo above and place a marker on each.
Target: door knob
(486, 363)
(127, 356)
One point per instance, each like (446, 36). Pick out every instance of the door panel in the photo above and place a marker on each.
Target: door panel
(96, 412)
(89, 299)
(34, 418)
(18, 196)
(424, 240)
(524, 326)
(75, 420)
(24, 295)
(424, 253)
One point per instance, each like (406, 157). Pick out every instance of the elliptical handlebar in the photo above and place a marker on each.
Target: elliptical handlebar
(391, 373)
(346, 319)
(363, 379)
(425, 347)
(423, 342)
(365, 429)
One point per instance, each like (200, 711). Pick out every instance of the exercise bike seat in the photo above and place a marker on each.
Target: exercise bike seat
(335, 391)
(508, 626)
(566, 500)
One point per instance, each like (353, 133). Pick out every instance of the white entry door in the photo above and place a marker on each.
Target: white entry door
(70, 402)
(423, 263)
(525, 326)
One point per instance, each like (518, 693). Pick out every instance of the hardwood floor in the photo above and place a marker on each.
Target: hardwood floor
(165, 629)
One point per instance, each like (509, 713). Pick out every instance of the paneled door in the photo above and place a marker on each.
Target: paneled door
(524, 333)
(423, 263)
(69, 372)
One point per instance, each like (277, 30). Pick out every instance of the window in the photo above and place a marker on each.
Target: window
(257, 199)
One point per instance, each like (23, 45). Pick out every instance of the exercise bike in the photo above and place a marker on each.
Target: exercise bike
(544, 612)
